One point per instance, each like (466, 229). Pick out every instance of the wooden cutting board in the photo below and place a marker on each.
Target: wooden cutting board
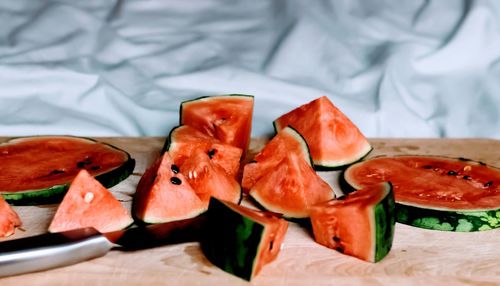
(418, 256)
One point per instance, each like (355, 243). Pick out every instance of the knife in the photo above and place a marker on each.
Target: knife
(51, 250)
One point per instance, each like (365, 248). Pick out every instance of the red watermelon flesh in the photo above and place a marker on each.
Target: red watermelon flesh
(54, 160)
(360, 225)
(88, 204)
(291, 188)
(9, 219)
(333, 140)
(164, 194)
(285, 142)
(184, 140)
(209, 179)
(225, 117)
(432, 181)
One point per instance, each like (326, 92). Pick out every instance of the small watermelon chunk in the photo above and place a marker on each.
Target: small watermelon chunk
(291, 188)
(209, 179)
(184, 140)
(435, 192)
(241, 240)
(163, 194)
(89, 204)
(286, 141)
(9, 219)
(334, 141)
(360, 225)
(225, 117)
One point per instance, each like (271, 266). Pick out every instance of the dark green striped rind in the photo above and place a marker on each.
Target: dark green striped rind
(385, 220)
(231, 241)
(459, 220)
(54, 194)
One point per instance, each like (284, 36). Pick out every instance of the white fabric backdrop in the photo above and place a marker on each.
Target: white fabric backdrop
(104, 68)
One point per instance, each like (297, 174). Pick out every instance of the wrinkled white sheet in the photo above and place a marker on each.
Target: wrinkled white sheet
(106, 68)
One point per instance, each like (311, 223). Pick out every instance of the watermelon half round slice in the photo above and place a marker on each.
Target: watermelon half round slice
(436, 192)
(39, 169)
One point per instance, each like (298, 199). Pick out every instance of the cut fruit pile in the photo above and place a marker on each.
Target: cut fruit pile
(201, 171)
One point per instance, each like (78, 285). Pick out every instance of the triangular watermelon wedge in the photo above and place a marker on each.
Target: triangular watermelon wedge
(291, 188)
(287, 141)
(183, 140)
(334, 141)
(226, 117)
(163, 194)
(89, 204)
(9, 219)
(208, 179)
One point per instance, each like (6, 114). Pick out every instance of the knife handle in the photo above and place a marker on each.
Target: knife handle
(51, 250)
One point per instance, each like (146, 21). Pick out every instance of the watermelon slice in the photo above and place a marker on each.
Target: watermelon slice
(209, 179)
(9, 219)
(163, 194)
(291, 188)
(361, 224)
(89, 204)
(38, 170)
(184, 140)
(225, 117)
(245, 241)
(286, 141)
(334, 141)
(436, 192)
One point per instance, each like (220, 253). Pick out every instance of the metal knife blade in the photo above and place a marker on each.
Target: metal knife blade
(52, 250)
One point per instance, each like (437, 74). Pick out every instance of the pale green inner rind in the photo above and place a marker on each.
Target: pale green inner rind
(458, 220)
(341, 164)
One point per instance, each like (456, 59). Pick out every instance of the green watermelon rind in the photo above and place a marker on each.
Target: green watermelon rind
(54, 194)
(335, 165)
(210, 98)
(169, 140)
(433, 218)
(384, 224)
(446, 220)
(302, 141)
(234, 245)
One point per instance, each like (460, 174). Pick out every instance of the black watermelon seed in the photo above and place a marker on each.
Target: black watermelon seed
(175, 169)
(94, 168)
(80, 164)
(211, 153)
(55, 172)
(427, 167)
(336, 239)
(271, 244)
(488, 184)
(452, 173)
(340, 249)
(175, 181)
(466, 177)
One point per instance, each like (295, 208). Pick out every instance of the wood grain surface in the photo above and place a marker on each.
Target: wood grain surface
(418, 256)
